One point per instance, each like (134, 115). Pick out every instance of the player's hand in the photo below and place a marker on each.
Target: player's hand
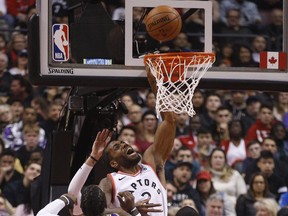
(145, 207)
(101, 141)
(126, 200)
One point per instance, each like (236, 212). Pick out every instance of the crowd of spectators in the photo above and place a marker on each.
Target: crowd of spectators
(233, 153)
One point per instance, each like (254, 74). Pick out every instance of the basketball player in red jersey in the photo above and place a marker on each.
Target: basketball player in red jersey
(144, 179)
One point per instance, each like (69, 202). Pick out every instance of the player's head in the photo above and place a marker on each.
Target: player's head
(93, 201)
(118, 154)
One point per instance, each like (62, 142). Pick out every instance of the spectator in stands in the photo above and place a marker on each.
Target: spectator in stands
(21, 89)
(31, 137)
(237, 103)
(235, 147)
(190, 140)
(171, 191)
(249, 13)
(205, 188)
(225, 57)
(150, 102)
(213, 102)
(21, 66)
(5, 77)
(6, 208)
(267, 207)
(52, 121)
(181, 42)
(17, 43)
(172, 160)
(3, 43)
(17, 109)
(253, 153)
(225, 179)
(215, 205)
(135, 115)
(266, 164)
(181, 177)
(18, 9)
(262, 127)
(181, 121)
(6, 116)
(186, 154)
(274, 30)
(15, 191)
(234, 28)
(280, 135)
(13, 133)
(205, 146)
(243, 57)
(42, 108)
(198, 101)
(280, 105)
(259, 44)
(258, 190)
(7, 171)
(251, 113)
(147, 134)
(126, 101)
(128, 134)
(220, 130)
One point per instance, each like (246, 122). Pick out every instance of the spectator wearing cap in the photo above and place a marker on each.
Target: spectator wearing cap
(205, 188)
(251, 113)
(21, 66)
(181, 179)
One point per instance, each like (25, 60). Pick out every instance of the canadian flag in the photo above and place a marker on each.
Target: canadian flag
(273, 60)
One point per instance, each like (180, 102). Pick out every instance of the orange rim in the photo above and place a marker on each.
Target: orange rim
(169, 57)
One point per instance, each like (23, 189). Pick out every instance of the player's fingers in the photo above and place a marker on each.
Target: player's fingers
(150, 205)
(153, 210)
(120, 200)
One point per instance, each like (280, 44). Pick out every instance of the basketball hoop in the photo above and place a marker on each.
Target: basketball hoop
(177, 75)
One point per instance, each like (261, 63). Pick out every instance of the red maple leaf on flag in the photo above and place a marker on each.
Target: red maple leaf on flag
(272, 60)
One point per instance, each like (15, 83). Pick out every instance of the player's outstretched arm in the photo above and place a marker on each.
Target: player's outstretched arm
(157, 154)
(101, 141)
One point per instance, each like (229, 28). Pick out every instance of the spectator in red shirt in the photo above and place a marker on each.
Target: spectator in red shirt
(262, 127)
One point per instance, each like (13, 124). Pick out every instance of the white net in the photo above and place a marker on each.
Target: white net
(177, 77)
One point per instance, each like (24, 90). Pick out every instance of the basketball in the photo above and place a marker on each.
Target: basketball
(65, 43)
(163, 23)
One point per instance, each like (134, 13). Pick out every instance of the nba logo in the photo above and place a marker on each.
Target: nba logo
(60, 48)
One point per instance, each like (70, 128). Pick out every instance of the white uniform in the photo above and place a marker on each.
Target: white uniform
(142, 185)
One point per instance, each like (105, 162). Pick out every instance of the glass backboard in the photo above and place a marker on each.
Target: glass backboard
(101, 43)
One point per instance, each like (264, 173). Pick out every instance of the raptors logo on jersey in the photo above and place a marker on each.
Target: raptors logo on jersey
(142, 185)
(60, 48)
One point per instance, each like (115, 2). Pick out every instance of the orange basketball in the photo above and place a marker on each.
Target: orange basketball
(163, 23)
